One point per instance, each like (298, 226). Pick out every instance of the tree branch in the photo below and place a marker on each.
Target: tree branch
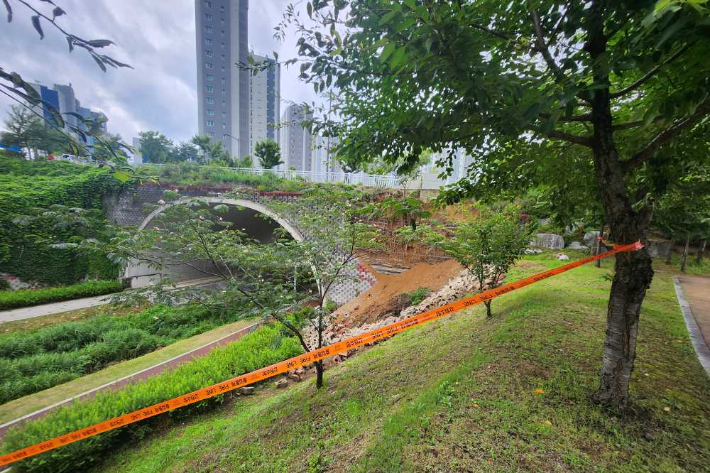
(649, 74)
(585, 117)
(560, 135)
(542, 48)
(666, 135)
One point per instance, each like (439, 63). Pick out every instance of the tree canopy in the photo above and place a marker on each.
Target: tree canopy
(268, 153)
(608, 86)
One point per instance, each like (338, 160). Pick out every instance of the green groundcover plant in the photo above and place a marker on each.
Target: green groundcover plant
(267, 345)
(50, 356)
(30, 297)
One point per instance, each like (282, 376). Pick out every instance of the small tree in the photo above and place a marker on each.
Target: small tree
(155, 147)
(268, 153)
(486, 246)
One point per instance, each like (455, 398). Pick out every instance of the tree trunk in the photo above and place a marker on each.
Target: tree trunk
(632, 270)
(685, 253)
(319, 374)
(701, 252)
(489, 314)
(598, 262)
(670, 252)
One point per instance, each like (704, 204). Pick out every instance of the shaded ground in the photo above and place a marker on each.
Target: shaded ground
(466, 394)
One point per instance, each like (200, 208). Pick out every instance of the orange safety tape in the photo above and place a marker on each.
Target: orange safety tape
(297, 361)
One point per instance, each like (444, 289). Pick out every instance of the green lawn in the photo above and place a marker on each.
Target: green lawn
(468, 394)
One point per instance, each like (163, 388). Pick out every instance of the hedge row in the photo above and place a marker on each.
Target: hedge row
(28, 185)
(30, 297)
(267, 345)
(32, 362)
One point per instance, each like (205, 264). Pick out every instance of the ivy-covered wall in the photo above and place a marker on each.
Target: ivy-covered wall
(29, 185)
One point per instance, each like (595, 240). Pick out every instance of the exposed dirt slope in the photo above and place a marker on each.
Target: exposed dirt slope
(385, 297)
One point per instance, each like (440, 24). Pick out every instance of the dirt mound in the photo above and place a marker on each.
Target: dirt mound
(387, 296)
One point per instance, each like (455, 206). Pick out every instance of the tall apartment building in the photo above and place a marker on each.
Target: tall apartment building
(222, 28)
(296, 141)
(265, 103)
(63, 98)
(324, 157)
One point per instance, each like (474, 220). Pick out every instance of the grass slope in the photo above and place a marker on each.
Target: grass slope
(470, 394)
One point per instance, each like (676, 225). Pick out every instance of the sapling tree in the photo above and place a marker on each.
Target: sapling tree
(487, 245)
(330, 221)
(254, 276)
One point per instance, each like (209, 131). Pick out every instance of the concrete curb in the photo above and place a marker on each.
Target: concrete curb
(696, 337)
(137, 376)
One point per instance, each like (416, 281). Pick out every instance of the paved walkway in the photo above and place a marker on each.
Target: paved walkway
(694, 296)
(135, 377)
(76, 304)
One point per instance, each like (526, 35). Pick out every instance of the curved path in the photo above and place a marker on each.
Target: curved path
(76, 304)
(694, 297)
(134, 377)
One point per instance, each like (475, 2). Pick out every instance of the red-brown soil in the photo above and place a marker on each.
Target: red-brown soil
(386, 297)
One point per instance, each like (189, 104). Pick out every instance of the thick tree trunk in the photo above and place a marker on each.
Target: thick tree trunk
(685, 253)
(632, 271)
(701, 250)
(670, 252)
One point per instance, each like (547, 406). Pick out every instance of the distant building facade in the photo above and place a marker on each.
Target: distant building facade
(63, 98)
(265, 103)
(324, 156)
(222, 30)
(296, 141)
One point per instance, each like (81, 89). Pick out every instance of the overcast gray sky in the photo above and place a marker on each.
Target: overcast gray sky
(157, 38)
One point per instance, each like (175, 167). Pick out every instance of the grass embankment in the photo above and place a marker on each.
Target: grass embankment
(33, 402)
(470, 394)
(32, 297)
(32, 362)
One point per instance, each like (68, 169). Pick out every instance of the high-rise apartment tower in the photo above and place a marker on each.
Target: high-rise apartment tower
(265, 102)
(222, 28)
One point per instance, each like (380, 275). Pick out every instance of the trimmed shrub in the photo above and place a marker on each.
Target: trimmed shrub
(30, 297)
(265, 346)
(31, 362)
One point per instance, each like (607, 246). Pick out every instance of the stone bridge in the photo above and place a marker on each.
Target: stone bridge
(129, 209)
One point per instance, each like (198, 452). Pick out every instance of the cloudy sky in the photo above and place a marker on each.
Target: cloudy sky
(157, 38)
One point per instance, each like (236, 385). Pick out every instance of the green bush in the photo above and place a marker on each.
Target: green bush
(30, 297)
(29, 185)
(418, 295)
(31, 362)
(267, 345)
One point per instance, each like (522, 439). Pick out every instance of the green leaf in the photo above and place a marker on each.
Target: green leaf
(122, 176)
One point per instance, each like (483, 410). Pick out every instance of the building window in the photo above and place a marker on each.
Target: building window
(208, 29)
(211, 134)
(224, 103)
(210, 112)
(210, 88)
(224, 93)
(208, 42)
(224, 81)
(208, 17)
(209, 53)
(222, 8)
(223, 33)
(208, 4)
(210, 78)
(210, 100)
(222, 20)
(224, 58)
(224, 126)
(210, 122)
(224, 69)
(208, 65)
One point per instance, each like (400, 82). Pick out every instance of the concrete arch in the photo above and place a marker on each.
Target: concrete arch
(141, 275)
(293, 231)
